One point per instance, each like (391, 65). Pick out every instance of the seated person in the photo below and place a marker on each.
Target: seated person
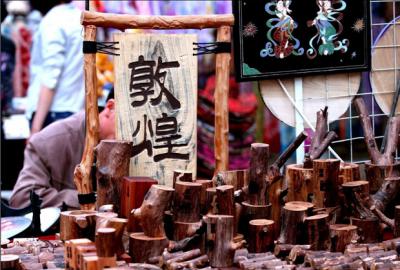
(51, 157)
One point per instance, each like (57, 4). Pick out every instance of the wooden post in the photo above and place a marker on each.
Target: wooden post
(211, 198)
(342, 235)
(257, 174)
(238, 179)
(275, 193)
(292, 224)
(261, 235)
(349, 172)
(225, 200)
(318, 231)
(300, 183)
(356, 195)
(220, 246)
(203, 195)
(186, 207)
(326, 182)
(112, 165)
(105, 247)
(142, 247)
(82, 179)
(368, 230)
(221, 96)
(77, 224)
(151, 213)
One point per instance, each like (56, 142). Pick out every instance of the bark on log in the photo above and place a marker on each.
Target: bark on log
(191, 264)
(300, 183)
(151, 213)
(394, 224)
(221, 96)
(183, 256)
(220, 246)
(77, 224)
(376, 174)
(126, 21)
(225, 201)
(183, 230)
(292, 224)
(387, 193)
(238, 179)
(297, 253)
(182, 176)
(257, 174)
(112, 163)
(211, 198)
(186, 206)
(326, 182)
(349, 172)
(82, 173)
(368, 230)
(275, 194)
(357, 198)
(250, 212)
(143, 266)
(261, 235)
(133, 191)
(318, 231)
(342, 235)
(203, 195)
(142, 247)
(387, 157)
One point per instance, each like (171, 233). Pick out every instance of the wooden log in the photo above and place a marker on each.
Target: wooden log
(186, 206)
(126, 21)
(183, 256)
(292, 224)
(250, 212)
(283, 250)
(326, 182)
(275, 195)
(394, 224)
(183, 230)
(77, 224)
(349, 172)
(310, 206)
(386, 193)
(238, 178)
(182, 176)
(151, 212)
(357, 198)
(297, 254)
(133, 191)
(261, 235)
(300, 183)
(211, 198)
(203, 195)
(143, 266)
(220, 246)
(221, 96)
(191, 264)
(317, 231)
(82, 173)
(105, 244)
(368, 230)
(376, 174)
(342, 235)
(142, 247)
(112, 163)
(257, 174)
(225, 200)
(9, 262)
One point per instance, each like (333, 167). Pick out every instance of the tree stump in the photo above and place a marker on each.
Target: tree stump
(376, 174)
(342, 235)
(211, 198)
(250, 212)
(77, 224)
(292, 226)
(368, 230)
(318, 231)
(349, 172)
(133, 191)
(310, 206)
(257, 174)
(356, 195)
(186, 206)
(261, 235)
(220, 246)
(112, 163)
(326, 182)
(183, 176)
(203, 195)
(151, 212)
(142, 247)
(300, 183)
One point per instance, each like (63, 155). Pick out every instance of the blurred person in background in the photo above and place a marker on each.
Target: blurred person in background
(56, 88)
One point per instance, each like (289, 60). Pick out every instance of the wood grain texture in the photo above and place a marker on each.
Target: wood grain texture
(180, 81)
(125, 21)
(82, 171)
(221, 96)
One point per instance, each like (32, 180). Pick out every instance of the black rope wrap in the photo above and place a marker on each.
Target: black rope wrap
(212, 47)
(87, 198)
(91, 47)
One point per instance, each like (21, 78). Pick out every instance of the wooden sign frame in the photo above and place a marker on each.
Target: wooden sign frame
(91, 20)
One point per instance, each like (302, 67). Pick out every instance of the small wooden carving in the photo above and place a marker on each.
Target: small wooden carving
(261, 235)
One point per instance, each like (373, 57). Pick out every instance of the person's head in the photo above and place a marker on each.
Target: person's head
(107, 121)
(46, 5)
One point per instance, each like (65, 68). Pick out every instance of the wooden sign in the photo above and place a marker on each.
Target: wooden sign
(156, 103)
(300, 37)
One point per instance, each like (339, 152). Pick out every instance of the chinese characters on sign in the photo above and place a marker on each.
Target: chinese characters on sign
(156, 101)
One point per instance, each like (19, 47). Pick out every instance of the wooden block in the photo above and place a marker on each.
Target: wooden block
(107, 262)
(74, 244)
(90, 263)
(82, 251)
(133, 191)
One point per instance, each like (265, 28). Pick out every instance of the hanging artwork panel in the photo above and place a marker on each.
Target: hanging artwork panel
(276, 38)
